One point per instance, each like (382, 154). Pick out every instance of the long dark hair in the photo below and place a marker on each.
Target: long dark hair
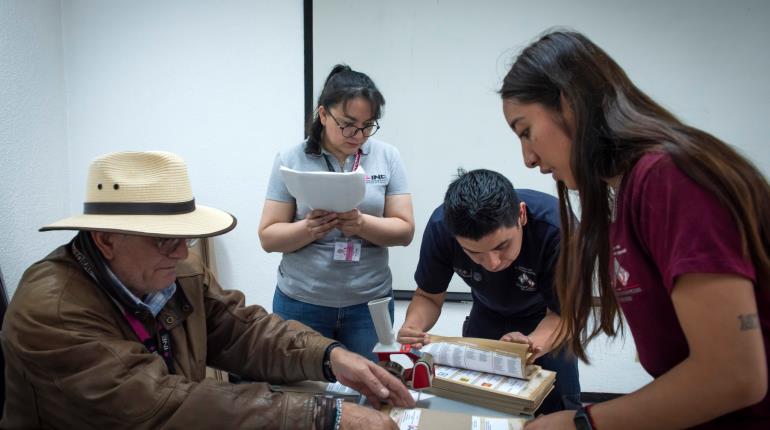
(342, 85)
(615, 124)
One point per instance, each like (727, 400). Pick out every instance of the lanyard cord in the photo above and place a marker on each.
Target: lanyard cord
(92, 264)
(356, 162)
(163, 347)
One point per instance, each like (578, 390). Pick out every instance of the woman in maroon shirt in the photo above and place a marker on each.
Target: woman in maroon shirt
(676, 223)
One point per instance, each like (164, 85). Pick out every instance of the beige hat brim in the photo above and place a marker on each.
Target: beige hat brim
(202, 222)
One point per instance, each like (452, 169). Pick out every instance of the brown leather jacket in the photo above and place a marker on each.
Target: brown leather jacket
(74, 362)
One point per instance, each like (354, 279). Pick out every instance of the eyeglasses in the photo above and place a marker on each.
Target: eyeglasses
(167, 245)
(350, 130)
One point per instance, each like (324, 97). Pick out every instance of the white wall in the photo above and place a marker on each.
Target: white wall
(34, 187)
(220, 83)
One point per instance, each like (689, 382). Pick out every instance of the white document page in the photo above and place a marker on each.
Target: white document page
(486, 423)
(329, 191)
(475, 359)
(407, 419)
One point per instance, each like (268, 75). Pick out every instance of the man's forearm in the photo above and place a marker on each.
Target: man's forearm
(544, 334)
(422, 313)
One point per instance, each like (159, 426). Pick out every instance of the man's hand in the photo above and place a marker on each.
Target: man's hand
(369, 379)
(319, 223)
(412, 336)
(355, 417)
(350, 223)
(518, 337)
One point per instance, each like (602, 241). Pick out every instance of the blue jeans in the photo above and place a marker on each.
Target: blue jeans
(352, 325)
(486, 324)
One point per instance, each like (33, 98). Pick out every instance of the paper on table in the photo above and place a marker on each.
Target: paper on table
(339, 388)
(329, 191)
(487, 423)
(407, 419)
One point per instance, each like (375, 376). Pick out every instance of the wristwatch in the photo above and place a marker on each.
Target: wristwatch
(582, 420)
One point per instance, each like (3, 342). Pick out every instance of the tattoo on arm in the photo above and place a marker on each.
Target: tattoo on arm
(748, 322)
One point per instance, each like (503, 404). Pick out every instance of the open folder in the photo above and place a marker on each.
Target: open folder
(488, 373)
(329, 191)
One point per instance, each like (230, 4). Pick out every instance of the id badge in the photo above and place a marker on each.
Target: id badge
(347, 250)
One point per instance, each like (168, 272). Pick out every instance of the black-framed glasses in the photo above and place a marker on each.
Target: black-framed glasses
(167, 245)
(350, 130)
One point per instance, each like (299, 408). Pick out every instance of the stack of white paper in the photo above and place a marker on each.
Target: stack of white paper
(329, 191)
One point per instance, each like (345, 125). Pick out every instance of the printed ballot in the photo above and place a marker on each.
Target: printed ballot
(488, 373)
(484, 355)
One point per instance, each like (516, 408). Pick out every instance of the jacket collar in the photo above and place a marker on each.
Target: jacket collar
(154, 302)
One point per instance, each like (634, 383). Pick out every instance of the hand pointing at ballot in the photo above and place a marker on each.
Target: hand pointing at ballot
(372, 381)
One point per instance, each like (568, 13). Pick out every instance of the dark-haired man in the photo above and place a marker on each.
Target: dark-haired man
(504, 245)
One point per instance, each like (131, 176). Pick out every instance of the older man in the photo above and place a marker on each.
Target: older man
(115, 329)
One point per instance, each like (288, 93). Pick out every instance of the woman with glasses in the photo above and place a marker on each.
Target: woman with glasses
(324, 289)
(675, 234)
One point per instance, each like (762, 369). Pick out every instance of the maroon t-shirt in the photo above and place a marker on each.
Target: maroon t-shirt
(667, 226)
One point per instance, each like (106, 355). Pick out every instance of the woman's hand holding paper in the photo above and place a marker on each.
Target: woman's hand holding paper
(319, 223)
(350, 222)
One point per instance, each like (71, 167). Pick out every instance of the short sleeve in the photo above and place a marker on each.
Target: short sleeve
(276, 188)
(684, 228)
(398, 183)
(434, 269)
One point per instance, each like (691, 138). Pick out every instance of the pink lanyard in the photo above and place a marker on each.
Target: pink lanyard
(152, 343)
(356, 162)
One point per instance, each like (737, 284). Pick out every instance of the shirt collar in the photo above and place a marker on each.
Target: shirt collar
(365, 149)
(153, 302)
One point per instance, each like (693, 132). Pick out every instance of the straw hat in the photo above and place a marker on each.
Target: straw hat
(144, 193)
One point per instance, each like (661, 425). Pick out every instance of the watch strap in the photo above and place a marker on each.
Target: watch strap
(327, 362)
(582, 419)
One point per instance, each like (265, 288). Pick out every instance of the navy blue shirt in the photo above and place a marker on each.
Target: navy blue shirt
(524, 289)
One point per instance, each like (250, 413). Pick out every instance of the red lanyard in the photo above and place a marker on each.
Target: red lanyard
(356, 162)
(164, 349)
